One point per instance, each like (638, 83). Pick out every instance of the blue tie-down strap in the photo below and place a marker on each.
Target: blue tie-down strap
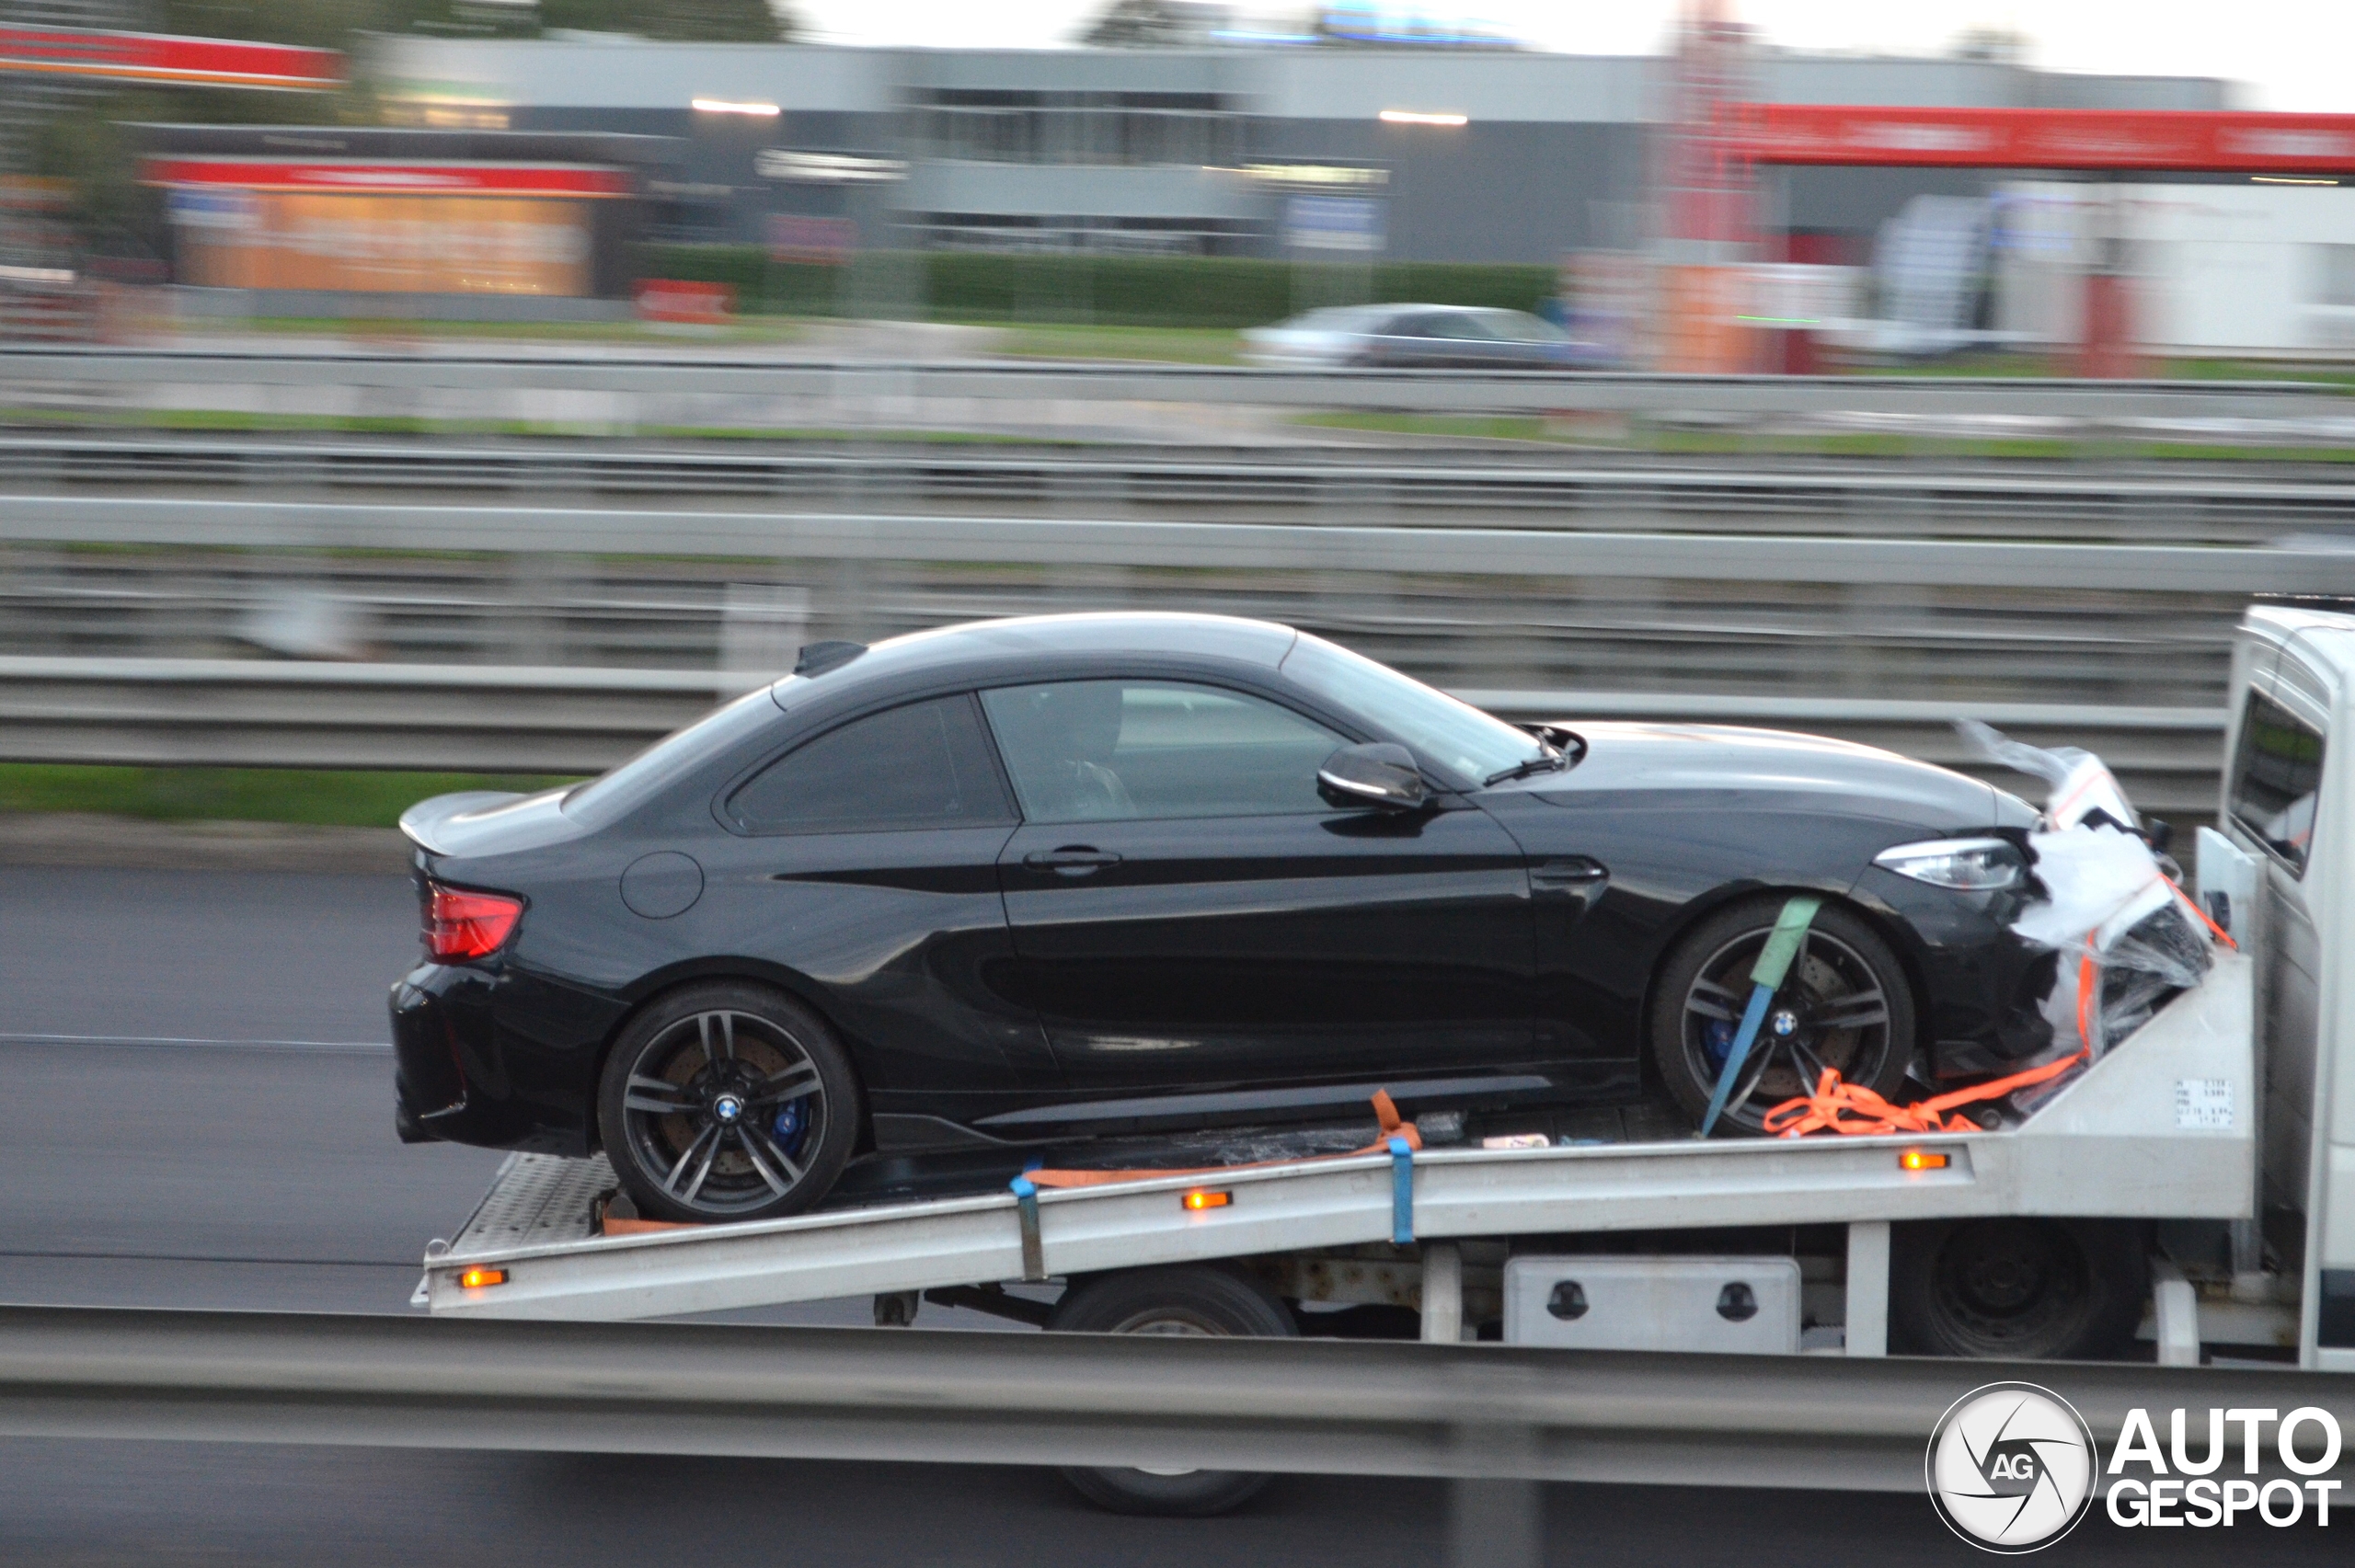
(1034, 1251)
(1783, 945)
(1761, 998)
(1402, 1192)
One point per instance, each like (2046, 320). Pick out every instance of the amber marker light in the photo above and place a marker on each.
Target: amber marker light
(476, 1278)
(1198, 1201)
(1921, 1159)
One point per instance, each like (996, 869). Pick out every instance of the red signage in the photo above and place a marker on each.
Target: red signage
(159, 57)
(699, 305)
(2046, 138)
(419, 178)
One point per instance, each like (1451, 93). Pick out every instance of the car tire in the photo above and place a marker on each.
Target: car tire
(2016, 1289)
(1186, 1300)
(1845, 973)
(727, 1102)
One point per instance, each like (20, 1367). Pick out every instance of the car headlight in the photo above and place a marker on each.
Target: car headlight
(1971, 866)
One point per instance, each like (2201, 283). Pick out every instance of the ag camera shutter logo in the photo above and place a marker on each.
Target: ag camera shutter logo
(2011, 1467)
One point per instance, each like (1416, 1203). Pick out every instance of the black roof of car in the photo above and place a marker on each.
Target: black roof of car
(1149, 634)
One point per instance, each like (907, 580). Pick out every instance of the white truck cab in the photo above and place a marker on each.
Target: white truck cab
(2289, 807)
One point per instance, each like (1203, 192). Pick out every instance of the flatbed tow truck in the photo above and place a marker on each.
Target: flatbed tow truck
(2220, 1137)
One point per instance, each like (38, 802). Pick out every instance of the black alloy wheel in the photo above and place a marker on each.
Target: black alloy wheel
(727, 1102)
(1845, 1005)
(1193, 1299)
(2019, 1290)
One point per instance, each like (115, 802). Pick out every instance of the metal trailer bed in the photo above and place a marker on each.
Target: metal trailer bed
(2163, 1127)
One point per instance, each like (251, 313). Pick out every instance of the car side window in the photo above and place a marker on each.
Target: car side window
(924, 765)
(1098, 750)
(1463, 329)
(2277, 775)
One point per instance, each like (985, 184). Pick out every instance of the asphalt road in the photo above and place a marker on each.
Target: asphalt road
(203, 1059)
(204, 1091)
(196, 1102)
(103, 1504)
(208, 955)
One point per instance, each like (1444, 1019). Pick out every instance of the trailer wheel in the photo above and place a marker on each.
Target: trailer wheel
(1189, 1299)
(2016, 1288)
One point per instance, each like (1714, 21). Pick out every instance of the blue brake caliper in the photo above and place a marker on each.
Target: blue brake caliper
(1717, 1039)
(792, 1122)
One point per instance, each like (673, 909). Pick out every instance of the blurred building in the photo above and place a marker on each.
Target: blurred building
(2214, 268)
(1411, 155)
(308, 215)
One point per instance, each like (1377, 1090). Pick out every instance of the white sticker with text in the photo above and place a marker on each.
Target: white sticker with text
(2203, 1105)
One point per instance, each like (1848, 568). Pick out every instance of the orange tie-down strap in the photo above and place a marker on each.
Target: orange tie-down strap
(621, 1225)
(1386, 1111)
(1855, 1110)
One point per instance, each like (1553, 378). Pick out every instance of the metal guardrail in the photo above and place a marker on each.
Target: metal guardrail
(495, 719)
(1239, 486)
(1715, 609)
(1961, 624)
(613, 369)
(1314, 1406)
(1517, 552)
(238, 713)
(1045, 1400)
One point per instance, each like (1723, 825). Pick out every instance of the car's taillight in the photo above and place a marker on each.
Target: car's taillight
(460, 925)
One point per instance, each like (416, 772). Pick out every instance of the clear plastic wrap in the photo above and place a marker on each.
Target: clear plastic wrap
(2159, 955)
(2106, 896)
(2098, 882)
(2082, 783)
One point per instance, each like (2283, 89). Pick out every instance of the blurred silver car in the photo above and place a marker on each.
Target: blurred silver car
(1418, 336)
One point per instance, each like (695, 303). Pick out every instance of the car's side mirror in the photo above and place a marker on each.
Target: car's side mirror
(1379, 775)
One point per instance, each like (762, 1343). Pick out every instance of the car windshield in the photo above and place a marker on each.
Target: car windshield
(1456, 735)
(613, 796)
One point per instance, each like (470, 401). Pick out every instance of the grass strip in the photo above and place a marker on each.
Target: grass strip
(1477, 426)
(317, 797)
(1149, 345)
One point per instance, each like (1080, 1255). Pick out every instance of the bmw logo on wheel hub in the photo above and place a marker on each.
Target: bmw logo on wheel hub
(2011, 1467)
(727, 1108)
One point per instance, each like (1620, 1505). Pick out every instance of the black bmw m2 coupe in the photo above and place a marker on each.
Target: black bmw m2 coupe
(1025, 882)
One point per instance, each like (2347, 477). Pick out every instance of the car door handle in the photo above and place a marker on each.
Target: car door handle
(1071, 860)
(1572, 871)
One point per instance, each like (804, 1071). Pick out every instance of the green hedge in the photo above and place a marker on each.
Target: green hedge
(1113, 291)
